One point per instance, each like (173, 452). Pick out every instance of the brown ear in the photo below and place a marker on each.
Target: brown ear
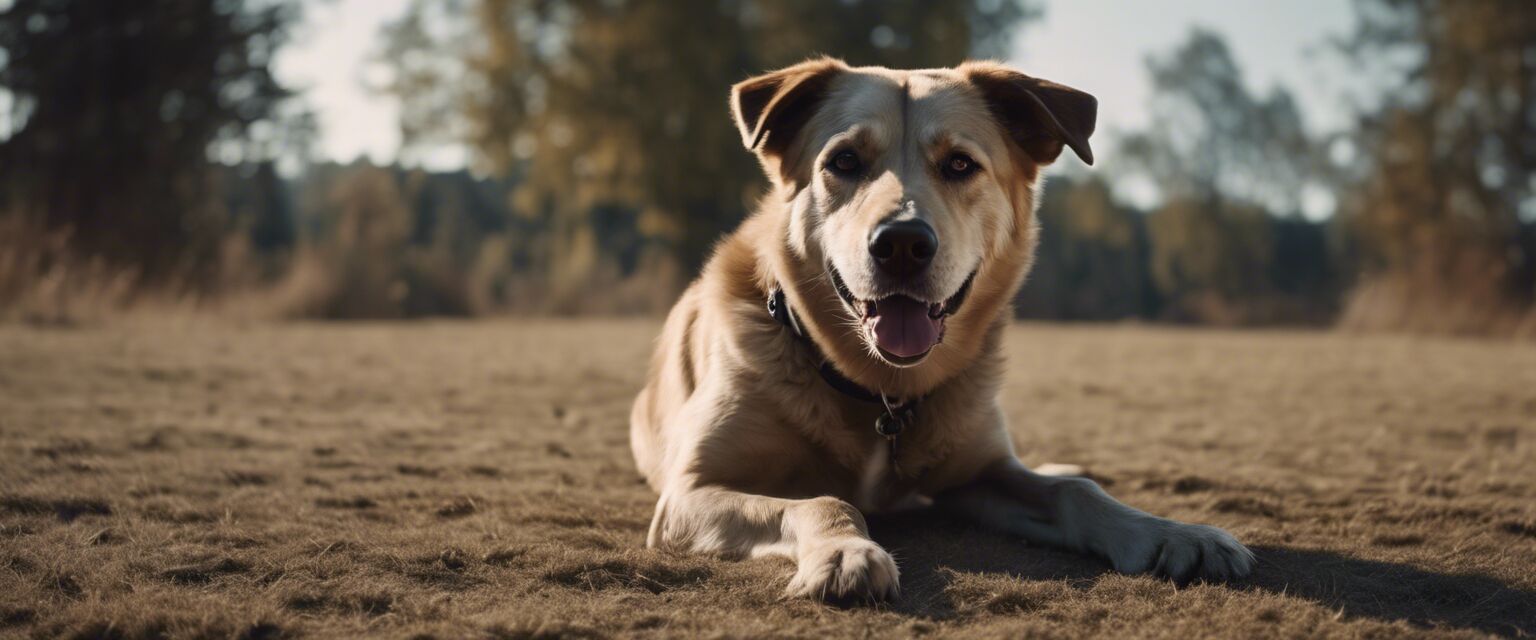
(1040, 115)
(771, 108)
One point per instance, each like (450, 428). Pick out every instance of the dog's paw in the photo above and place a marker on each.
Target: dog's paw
(846, 568)
(1182, 552)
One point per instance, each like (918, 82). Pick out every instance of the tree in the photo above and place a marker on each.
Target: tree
(1210, 139)
(1227, 163)
(257, 198)
(115, 108)
(1444, 209)
(614, 112)
(1092, 261)
(1211, 264)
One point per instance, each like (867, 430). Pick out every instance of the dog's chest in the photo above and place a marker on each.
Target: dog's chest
(868, 478)
(880, 487)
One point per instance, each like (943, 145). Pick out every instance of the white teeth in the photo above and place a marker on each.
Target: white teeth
(936, 309)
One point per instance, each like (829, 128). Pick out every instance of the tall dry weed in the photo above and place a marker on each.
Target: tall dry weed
(1448, 297)
(43, 282)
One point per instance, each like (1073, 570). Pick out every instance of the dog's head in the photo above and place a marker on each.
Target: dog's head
(910, 193)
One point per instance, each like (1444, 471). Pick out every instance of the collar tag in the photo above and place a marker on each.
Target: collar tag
(895, 419)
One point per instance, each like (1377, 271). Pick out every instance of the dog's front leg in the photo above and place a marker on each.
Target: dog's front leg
(1074, 513)
(825, 536)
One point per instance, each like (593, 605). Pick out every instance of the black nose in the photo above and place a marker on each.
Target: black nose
(903, 248)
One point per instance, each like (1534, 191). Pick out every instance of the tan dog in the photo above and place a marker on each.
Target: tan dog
(900, 225)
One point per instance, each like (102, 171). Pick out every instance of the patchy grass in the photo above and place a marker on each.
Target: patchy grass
(170, 479)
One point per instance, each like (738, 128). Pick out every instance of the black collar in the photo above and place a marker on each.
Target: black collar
(897, 415)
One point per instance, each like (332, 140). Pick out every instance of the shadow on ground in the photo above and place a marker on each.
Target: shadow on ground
(932, 549)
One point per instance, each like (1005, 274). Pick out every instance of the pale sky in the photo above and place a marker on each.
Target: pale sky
(1100, 46)
(329, 61)
(1095, 45)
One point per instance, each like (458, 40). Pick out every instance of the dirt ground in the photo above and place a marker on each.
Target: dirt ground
(194, 479)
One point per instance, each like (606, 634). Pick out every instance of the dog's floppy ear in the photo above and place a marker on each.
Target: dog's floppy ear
(1039, 115)
(771, 108)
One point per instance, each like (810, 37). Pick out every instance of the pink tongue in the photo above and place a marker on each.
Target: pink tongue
(903, 328)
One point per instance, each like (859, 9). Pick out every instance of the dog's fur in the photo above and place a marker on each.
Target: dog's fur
(753, 453)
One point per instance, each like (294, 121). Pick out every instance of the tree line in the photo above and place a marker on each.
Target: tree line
(147, 134)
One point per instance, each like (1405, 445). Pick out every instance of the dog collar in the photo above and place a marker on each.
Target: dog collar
(896, 417)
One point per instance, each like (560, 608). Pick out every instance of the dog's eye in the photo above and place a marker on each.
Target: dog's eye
(959, 166)
(845, 163)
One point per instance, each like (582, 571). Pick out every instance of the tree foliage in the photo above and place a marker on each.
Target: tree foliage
(1211, 139)
(115, 108)
(142, 135)
(1226, 243)
(1447, 198)
(614, 114)
(1091, 263)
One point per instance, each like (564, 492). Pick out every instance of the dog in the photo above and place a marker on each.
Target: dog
(839, 353)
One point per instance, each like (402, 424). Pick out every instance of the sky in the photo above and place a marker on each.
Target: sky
(1095, 45)
(1100, 46)
(330, 61)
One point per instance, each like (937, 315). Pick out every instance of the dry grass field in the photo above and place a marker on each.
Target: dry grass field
(194, 479)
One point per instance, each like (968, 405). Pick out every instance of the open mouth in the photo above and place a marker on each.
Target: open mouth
(902, 328)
